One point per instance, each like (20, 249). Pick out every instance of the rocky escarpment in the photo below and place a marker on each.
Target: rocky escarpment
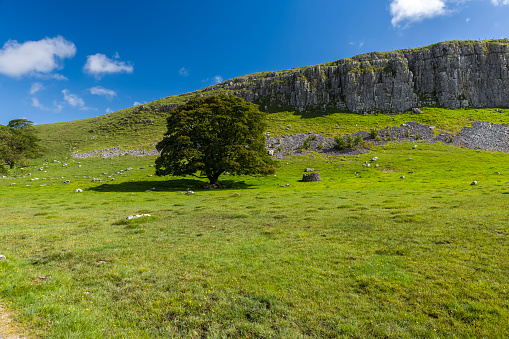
(452, 74)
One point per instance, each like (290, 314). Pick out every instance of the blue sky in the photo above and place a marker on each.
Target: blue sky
(68, 60)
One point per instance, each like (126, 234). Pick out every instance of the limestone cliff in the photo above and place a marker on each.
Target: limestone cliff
(451, 74)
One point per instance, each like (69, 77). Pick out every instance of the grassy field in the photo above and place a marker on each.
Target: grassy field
(362, 253)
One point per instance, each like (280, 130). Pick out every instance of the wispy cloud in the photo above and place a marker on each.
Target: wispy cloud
(408, 11)
(37, 104)
(75, 101)
(36, 87)
(183, 72)
(99, 64)
(137, 103)
(35, 58)
(58, 106)
(214, 80)
(99, 90)
(108, 110)
(500, 2)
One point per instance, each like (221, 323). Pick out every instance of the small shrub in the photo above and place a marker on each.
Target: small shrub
(340, 143)
(407, 133)
(358, 140)
(417, 136)
(373, 133)
(349, 141)
(309, 142)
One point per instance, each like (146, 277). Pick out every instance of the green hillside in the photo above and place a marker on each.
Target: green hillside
(129, 129)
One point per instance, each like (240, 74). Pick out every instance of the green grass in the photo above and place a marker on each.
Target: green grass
(366, 255)
(444, 120)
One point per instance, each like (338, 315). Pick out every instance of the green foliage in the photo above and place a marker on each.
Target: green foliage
(309, 142)
(373, 133)
(340, 143)
(213, 135)
(18, 141)
(357, 140)
(349, 141)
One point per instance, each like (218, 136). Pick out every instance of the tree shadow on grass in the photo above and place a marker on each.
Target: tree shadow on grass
(172, 185)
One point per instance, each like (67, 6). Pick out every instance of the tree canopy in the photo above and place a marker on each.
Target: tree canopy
(18, 141)
(211, 135)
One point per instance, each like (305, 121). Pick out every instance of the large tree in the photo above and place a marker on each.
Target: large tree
(211, 135)
(18, 141)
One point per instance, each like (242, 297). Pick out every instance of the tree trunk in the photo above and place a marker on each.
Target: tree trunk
(11, 165)
(214, 179)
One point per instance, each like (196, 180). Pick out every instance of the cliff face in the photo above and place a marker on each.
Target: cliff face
(451, 74)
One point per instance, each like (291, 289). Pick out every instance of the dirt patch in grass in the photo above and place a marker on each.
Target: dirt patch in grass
(8, 328)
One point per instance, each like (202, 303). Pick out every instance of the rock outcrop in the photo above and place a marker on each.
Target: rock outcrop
(453, 74)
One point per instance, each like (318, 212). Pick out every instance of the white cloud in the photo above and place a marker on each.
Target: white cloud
(36, 87)
(467, 20)
(37, 104)
(416, 10)
(500, 2)
(217, 79)
(99, 90)
(137, 103)
(108, 110)
(75, 101)
(99, 65)
(35, 58)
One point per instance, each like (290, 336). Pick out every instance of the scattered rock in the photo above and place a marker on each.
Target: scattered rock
(136, 216)
(78, 190)
(410, 172)
(309, 170)
(67, 182)
(311, 177)
(402, 177)
(473, 183)
(45, 276)
(2, 257)
(415, 146)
